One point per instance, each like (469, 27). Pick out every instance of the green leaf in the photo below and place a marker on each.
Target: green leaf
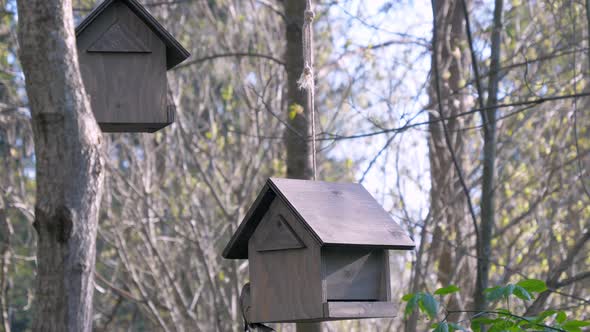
(408, 297)
(545, 314)
(429, 305)
(526, 322)
(503, 311)
(447, 290)
(411, 305)
(508, 290)
(575, 324)
(501, 325)
(479, 322)
(494, 293)
(533, 285)
(485, 320)
(227, 93)
(522, 293)
(441, 327)
(572, 329)
(561, 317)
(294, 110)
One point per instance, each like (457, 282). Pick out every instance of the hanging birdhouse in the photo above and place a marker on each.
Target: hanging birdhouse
(317, 251)
(124, 54)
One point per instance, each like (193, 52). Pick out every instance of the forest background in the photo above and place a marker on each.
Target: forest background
(476, 141)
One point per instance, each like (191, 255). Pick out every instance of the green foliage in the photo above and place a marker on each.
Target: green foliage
(447, 327)
(425, 301)
(294, 110)
(447, 290)
(533, 285)
(441, 327)
(498, 319)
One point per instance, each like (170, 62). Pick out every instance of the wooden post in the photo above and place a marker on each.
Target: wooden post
(309, 327)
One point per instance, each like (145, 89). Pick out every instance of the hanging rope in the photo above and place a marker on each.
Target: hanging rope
(306, 81)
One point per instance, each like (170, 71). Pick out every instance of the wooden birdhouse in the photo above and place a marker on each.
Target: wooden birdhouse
(124, 54)
(317, 251)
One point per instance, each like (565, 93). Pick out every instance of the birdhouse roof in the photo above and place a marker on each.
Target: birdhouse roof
(175, 53)
(335, 214)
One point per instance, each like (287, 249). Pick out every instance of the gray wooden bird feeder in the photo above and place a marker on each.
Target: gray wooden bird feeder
(318, 251)
(124, 54)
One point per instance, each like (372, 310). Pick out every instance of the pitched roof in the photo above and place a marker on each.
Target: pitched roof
(336, 214)
(175, 53)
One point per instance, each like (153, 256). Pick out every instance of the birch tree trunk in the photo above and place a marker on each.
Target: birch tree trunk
(68, 164)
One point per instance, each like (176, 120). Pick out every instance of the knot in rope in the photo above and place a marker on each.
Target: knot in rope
(309, 16)
(306, 80)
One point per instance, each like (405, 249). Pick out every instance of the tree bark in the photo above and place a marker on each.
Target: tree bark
(5, 238)
(299, 164)
(487, 205)
(296, 136)
(448, 201)
(68, 164)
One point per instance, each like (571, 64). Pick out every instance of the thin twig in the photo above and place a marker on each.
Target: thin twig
(229, 55)
(536, 101)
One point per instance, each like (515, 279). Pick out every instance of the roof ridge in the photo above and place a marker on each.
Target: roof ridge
(335, 214)
(179, 52)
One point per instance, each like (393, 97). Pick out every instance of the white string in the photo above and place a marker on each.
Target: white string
(306, 81)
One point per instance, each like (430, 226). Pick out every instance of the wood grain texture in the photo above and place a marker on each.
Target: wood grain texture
(237, 247)
(175, 53)
(336, 214)
(294, 279)
(342, 213)
(286, 284)
(358, 310)
(354, 274)
(128, 91)
(117, 39)
(276, 234)
(385, 278)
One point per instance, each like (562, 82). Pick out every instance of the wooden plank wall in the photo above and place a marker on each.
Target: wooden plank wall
(286, 284)
(125, 87)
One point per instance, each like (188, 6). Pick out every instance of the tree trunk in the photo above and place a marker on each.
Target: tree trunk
(5, 238)
(299, 129)
(489, 160)
(448, 201)
(68, 164)
(298, 111)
